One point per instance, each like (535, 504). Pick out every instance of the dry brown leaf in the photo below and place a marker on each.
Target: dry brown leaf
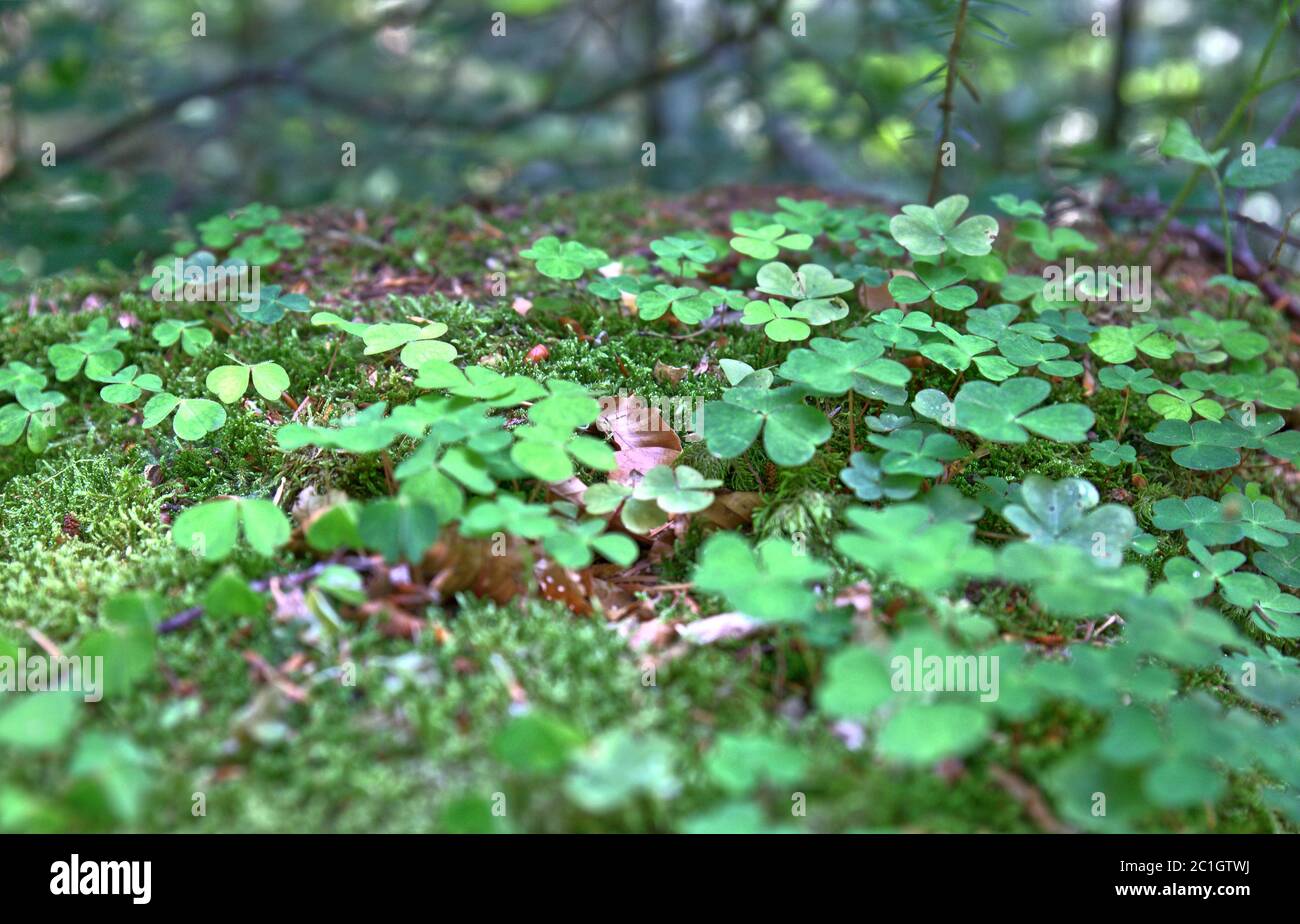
(642, 437)
(733, 509)
(673, 375)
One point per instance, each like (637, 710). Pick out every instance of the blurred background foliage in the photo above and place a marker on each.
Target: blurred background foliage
(156, 127)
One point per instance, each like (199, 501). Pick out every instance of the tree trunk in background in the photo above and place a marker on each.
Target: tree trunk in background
(1125, 37)
(656, 120)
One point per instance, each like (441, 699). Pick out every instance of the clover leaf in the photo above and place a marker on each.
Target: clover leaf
(567, 260)
(676, 490)
(573, 544)
(1181, 403)
(1024, 351)
(767, 583)
(690, 306)
(894, 328)
(128, 384)
(1263, 434)
(15, 375)
(193, 336)
(1066, 513)
(546, 446)
(1260, 518)
(961, 349)
(1003, 413)
(807, 215)
(1282, 563)
(913, 451)
(211, 529)
(1205, 446)
(34, 413)
(923, 734)
(1018, 208)
(399, 527)
(195, 417)
(996, 321)
(1198, 577)
(908, 543)
(271, 303)
(832, 367)
(810, 281)
(870, 483)
(1117, 344)
(682, 256)
(791, 429)
(230, 382)
(1051, 243)
(1110, 453)
(926, 231)
(780, 322)
(419, 342)
(1200, 518)
(764, 243)
(93, 350)
(856, 683)
(1142, 381)
(1272, 610)
(741, 762)
(938, 283)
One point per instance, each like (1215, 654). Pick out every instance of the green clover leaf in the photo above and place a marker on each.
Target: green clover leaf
(193, 336)
(567, 260)
(1003, 413)
(1201, 519)
(914, 451)
(938, 283)
(768, 583)
(676, 490)
(419, 342)
(399, 527)
(34, 413)
(230, 382)
(1117, 344)
(270, 304)
(926, 231)
(832, 367)
(1051, 243)
(765, 243)
(195, 417)
(1110, 453)
(1205, 446)
(1066, 513)
(780, 322)
(792, 430)
(211, 529)
(128, 384)
(867, 478)
(690, 306)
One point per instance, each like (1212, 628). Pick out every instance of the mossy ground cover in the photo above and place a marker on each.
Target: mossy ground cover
(441, 693)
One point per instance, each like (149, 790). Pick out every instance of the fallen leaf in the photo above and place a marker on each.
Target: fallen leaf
(723, 627)
(641, 435)
(673, 375)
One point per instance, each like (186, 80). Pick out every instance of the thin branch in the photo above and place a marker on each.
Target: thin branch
(946, 104)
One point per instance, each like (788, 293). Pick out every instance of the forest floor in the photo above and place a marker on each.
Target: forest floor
(246, 717)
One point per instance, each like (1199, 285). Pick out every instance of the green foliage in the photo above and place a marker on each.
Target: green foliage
(926, 231)
(211, 530)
